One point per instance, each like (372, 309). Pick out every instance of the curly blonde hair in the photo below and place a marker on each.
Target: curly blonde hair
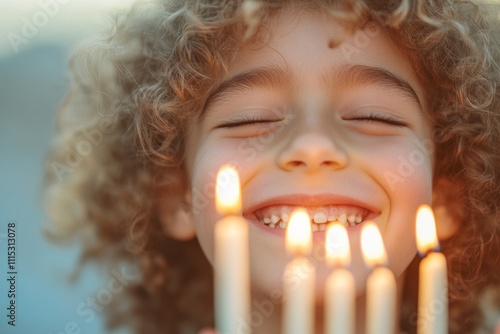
(120, 143)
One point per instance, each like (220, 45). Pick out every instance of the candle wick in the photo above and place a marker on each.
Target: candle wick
(378, 265)
(436, 249)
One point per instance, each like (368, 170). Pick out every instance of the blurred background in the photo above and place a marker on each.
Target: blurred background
(36, 37)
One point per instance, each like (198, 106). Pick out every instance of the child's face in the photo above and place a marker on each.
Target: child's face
(337, 130)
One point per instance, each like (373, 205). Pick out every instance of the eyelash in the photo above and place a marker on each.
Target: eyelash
(249, 119)
(378, 118)
(244, 120)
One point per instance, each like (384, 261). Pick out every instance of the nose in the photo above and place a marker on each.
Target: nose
(311, 152)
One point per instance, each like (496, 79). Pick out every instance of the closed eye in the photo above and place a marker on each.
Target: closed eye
(378, 118)
(245, 120)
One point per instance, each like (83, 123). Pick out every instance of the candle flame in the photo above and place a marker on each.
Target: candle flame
(227, 191)
(298, 233)
(372, 245)
(426, 230)
(337, 245)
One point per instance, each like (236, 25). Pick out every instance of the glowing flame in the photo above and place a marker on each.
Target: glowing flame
(337, 245)
(298, 233)
(426, 230)
(372, 245)
(227, 191)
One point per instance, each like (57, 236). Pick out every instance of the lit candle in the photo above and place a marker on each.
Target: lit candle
(381, 284)
(231, 263)
(340, 287)
(298, 277)
(433, 288)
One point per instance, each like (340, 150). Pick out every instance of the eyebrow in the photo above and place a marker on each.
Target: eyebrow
(262, 77)
(346, 75)
(362, 75)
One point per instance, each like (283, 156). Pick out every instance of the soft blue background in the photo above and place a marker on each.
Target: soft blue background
(32, 82)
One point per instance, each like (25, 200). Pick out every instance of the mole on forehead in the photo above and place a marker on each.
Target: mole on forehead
(347, 76)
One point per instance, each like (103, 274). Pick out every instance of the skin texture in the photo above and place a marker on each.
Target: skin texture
(315, 141)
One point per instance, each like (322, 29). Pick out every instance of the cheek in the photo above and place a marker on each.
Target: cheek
(203, 168)
(397, 165)
(203, 164)
(202, 176)
(407, 180)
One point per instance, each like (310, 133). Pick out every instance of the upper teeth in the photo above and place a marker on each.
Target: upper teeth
(346, 215)
(319, 217)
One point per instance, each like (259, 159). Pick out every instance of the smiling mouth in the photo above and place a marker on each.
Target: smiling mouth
(277, 216)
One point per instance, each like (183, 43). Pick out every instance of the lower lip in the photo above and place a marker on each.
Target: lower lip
(317, 235)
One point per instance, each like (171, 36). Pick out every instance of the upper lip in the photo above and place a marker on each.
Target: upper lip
(310, 200)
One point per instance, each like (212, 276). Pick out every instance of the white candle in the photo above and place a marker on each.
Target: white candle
(298, 277)
(231, 258)
(433, 288)
(380, 286)
(340, 287)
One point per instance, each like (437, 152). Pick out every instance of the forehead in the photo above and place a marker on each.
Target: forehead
(295, 46)
(311, 30)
